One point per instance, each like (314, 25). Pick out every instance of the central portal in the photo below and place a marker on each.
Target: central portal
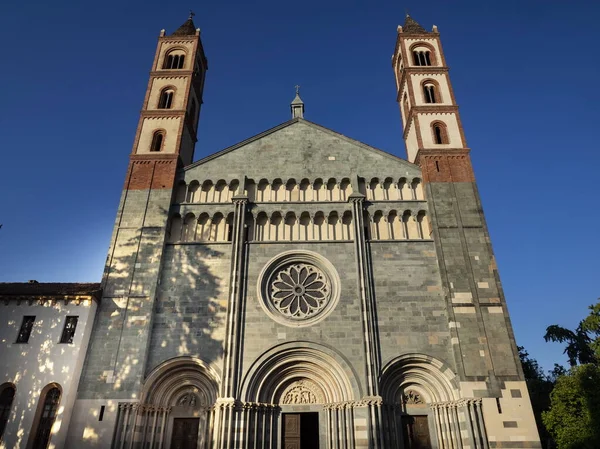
(300, 430)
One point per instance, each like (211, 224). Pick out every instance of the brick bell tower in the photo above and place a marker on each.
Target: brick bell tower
(164, 140)
(485, 353)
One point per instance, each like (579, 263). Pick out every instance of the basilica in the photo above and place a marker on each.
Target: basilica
(298, 290)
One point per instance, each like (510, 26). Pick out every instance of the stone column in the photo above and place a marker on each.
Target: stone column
(369, 320)
(125, 425)
(231, 356)
(471, 408)
(164, 415)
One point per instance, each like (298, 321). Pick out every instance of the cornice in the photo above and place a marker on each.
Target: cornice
(155, 113)
(52, 299)
(429, 70)
(166, 72)
(423, 110)
(153, 157)
(435, 108)
(428, 35)
(422, 152)
(179, 38)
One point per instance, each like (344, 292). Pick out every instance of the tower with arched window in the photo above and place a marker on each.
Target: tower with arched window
(483, 342)
(164, 140)
(428, 108)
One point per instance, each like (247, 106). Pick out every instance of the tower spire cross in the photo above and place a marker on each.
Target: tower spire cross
(297, 86)
(192, 14)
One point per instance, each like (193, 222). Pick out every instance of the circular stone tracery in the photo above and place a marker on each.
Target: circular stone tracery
(298, 288)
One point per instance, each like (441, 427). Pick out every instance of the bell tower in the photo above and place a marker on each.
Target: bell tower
(432, 126)
(164, 141)
(169, 119)
(483, 343)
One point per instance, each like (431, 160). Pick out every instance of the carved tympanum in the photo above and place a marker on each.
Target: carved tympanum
(187, 400)
(302, 392)
(411, 397)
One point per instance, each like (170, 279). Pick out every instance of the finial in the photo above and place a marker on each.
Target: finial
(406, 11)
(297, 104)
(192, 14)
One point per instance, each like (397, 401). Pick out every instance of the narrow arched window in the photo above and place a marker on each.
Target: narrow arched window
(166, 99)
(174, 61)
(157, 141)
(422, 58)
(47, 418)
(7, 394)
(430, 94)
(440, 135)
(229, 224)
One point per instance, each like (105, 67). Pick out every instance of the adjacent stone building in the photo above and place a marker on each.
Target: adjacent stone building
(300, 289)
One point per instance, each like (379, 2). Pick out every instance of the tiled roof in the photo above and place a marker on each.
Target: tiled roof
(411, 26)
(48, 289)
(187, 29)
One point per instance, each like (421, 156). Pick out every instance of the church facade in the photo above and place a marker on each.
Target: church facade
(299, 289)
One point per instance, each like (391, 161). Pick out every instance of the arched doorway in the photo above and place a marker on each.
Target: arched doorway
(412, 388)
(176, 408)
(300, 395)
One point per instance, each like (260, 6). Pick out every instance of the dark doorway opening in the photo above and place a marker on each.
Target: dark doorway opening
(300, 430)
(185, 433)
(416, 432)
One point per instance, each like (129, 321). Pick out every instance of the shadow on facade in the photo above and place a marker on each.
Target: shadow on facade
(35, 367)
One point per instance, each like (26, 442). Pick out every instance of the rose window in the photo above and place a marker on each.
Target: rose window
(299, 291)
(298, 288)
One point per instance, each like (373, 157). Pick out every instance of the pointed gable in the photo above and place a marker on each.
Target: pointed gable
(299, 149)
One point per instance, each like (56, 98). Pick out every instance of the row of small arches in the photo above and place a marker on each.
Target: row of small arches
(398, 225)
(378, 189)
(291, 191)
(306, 226)
(219, 192)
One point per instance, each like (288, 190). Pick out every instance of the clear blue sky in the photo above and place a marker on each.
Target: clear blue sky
(524, 72)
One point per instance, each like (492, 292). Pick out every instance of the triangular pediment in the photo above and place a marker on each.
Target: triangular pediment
(299, 148)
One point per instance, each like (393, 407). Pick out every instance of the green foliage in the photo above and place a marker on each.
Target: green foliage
(583, 344)
(591, 325)
(574, 416)
(539, 386)
(573, 419)
(531, 368)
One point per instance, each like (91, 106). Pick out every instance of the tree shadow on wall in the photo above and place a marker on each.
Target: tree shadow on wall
(191, 305)
(159, 302)
(188, 307)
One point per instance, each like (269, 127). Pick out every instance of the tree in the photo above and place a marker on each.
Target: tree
(573, 419)
(583, 344)
(574, 416)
